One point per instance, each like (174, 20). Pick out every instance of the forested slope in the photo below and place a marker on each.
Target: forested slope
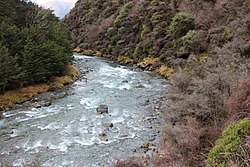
(34, 44)
(206, 43)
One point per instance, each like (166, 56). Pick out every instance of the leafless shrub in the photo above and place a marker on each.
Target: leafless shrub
(196, 110)
(166, 160)
(239, 103)
(93, 31)
(107, 22)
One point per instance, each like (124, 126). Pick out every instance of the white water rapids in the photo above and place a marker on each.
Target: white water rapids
(71, 133)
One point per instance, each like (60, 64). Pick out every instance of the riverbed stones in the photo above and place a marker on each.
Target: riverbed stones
(111, 125)
(102, 109)
(42, 104)
(1, 115)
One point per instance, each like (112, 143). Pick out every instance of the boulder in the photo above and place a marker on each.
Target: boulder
(102, 109)
(47, 104)
(1, 115)
(37, 105)
(111, 125)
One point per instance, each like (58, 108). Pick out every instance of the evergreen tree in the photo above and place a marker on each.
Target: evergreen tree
(9, 69)
(35, 45)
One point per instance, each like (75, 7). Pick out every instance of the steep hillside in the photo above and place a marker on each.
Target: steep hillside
(207, 42)
(134, 28)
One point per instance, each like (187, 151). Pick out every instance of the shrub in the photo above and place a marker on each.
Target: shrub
(181, 24)
(228, 147)
(145, 30)
(156, 17)
(239, 103)
(123, 12)
(189, 36)
(226, 36)
(113, 41)
(111, 31)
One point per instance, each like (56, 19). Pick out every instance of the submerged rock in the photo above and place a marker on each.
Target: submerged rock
(1, 115)
(102, 109)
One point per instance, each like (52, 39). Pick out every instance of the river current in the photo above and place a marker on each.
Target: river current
(71, 133)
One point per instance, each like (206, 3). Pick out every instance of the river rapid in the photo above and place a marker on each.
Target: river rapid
(71, 133)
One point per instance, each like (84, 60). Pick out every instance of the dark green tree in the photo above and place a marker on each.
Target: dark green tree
(9, 69)
(35, 45)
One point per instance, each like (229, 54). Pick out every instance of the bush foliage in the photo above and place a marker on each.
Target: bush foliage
(181, 24)
(34, 44)
(228, 147)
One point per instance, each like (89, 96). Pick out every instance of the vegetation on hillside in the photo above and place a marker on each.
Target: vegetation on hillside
(232, 148)
(208, 45)
(34, 45)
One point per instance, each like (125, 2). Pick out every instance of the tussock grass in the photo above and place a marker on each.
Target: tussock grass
(87, 52)
(124, 60)
(77, 50)
(97, 53)
(26, 93)
(165, 71)
(150, 60)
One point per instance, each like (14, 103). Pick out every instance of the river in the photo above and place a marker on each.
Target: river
(69, 132)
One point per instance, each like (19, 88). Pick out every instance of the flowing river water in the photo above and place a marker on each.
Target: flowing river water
(69, 132)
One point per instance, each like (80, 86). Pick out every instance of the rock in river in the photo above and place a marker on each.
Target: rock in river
(1, 115)
(102, 109)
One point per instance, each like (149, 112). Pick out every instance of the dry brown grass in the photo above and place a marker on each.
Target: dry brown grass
(26, 93)
(97, 53)
(150, 60)
(77, 50)
(165, 71)
(124, 60)
(87, 52)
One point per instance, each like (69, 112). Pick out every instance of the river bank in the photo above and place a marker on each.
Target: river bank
(32, 95)
(149, 63)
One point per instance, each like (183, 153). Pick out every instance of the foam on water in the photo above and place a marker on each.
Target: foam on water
(33, 146)
(51, 126)
(118, 120)
(89, 103)
(118, 71)
(124, 86)
(14, 133)
(62, 147)
(71, 133)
